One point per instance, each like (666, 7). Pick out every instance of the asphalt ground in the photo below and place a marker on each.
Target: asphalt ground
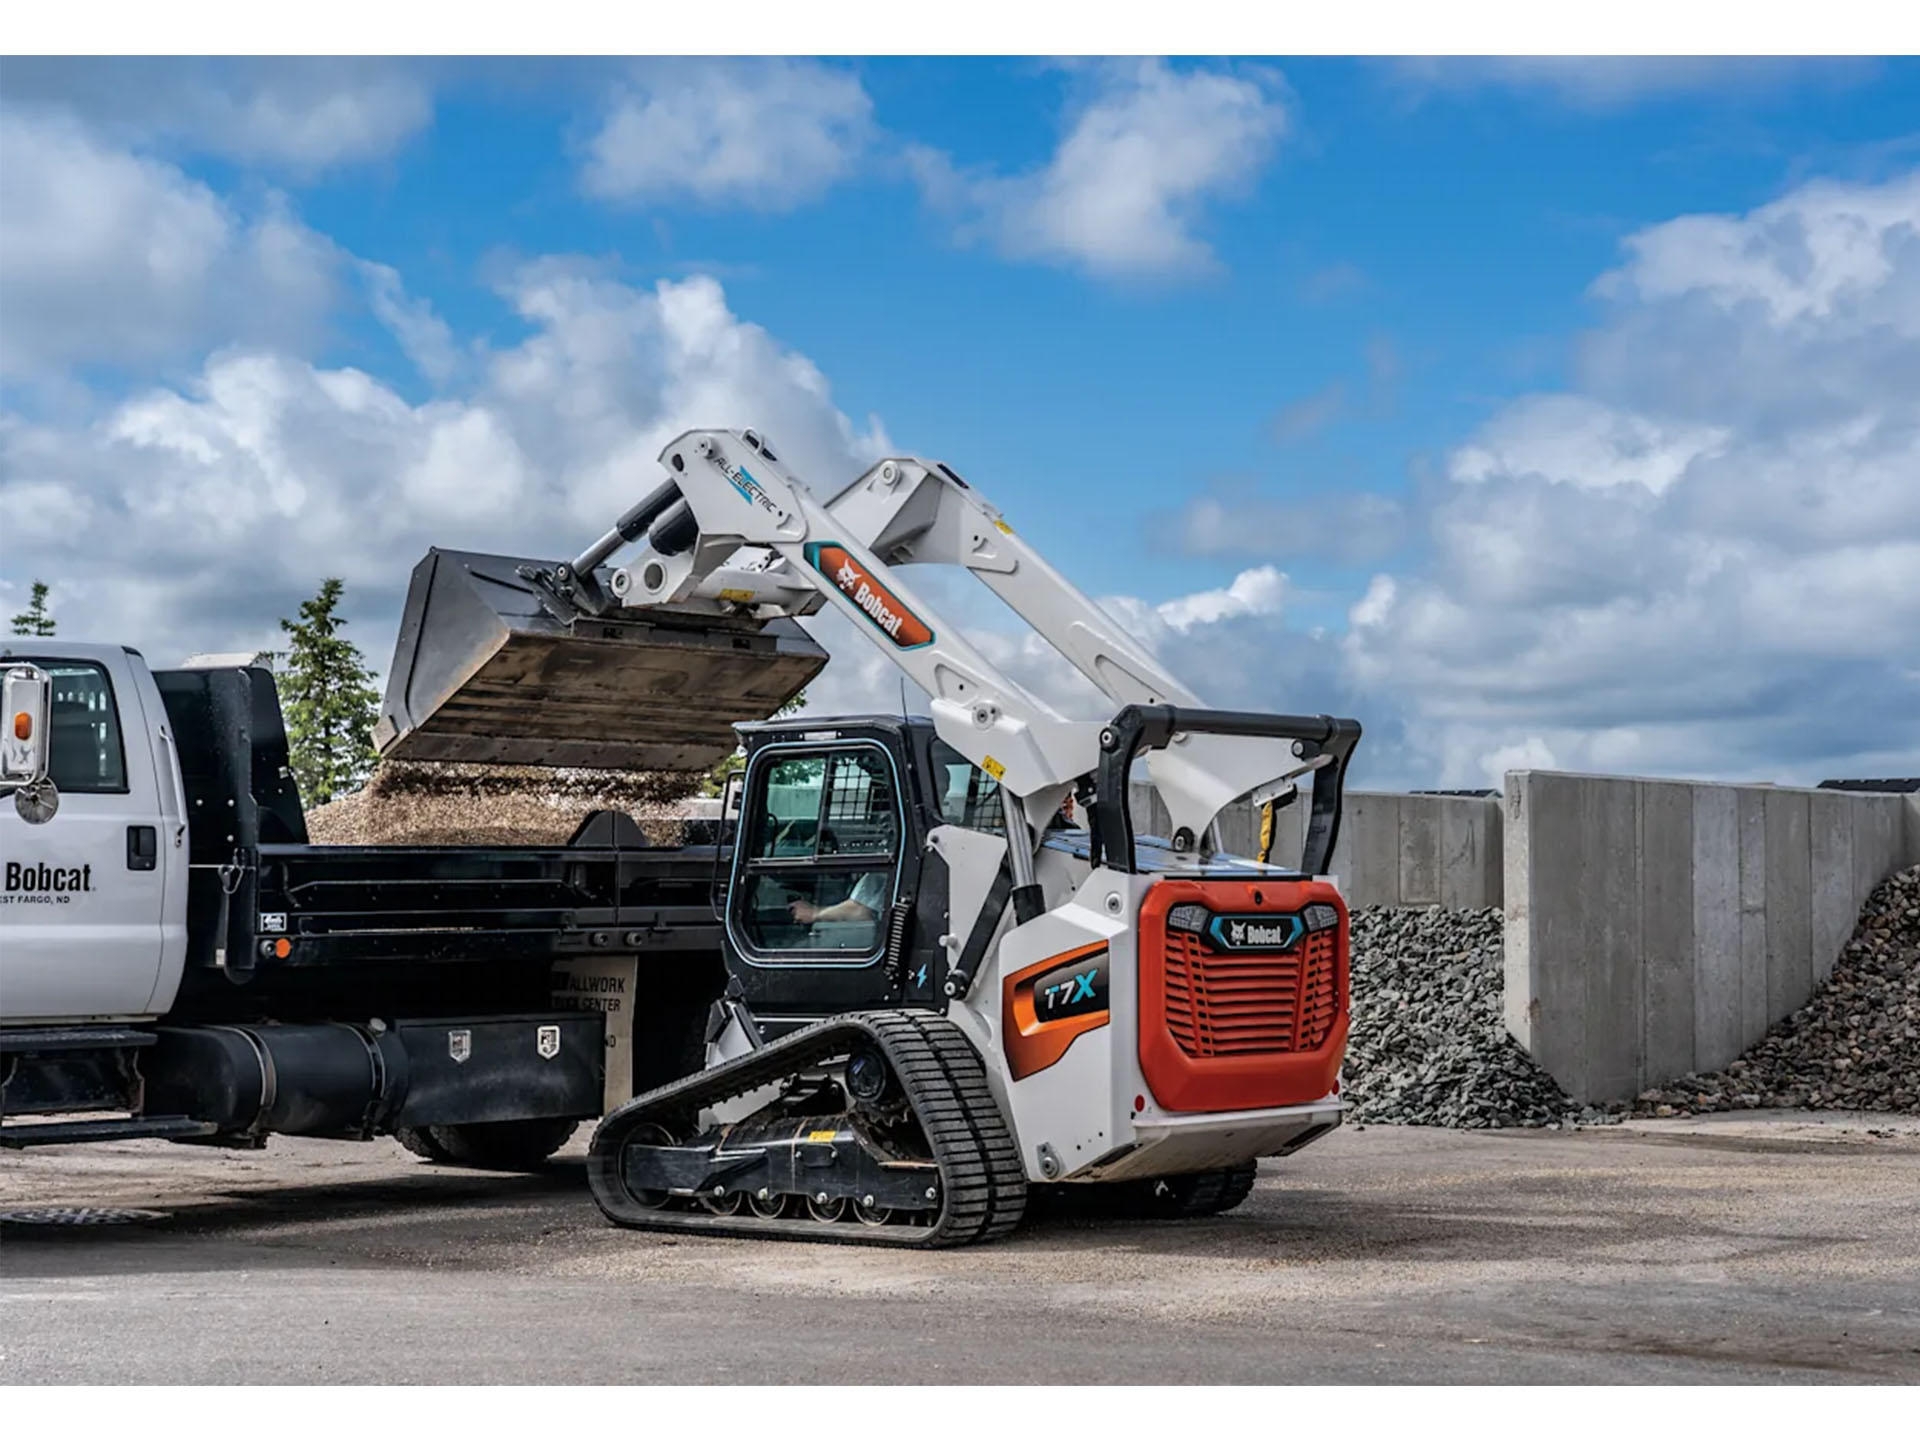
(1776, 1248)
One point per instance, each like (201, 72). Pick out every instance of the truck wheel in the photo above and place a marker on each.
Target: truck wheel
(419, 1139)
(503, 1145)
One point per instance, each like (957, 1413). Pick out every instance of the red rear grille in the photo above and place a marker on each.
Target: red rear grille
(1221, 1004)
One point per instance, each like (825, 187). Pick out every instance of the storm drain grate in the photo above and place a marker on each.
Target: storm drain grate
(79, 1215)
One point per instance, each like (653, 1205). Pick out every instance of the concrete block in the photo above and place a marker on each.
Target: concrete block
(1830, 823)
(1789, 902)
(1374, 851)
(1149, 811)
(1718, 1027)
(1666, 942)
(1752, 817)
(1879, 842)
(1912, 857)
(1239, 827)
(1573, 942)
(1420, 823)
(1290, 831)
(1519, 983)
(1607, 939)
(1469, 852)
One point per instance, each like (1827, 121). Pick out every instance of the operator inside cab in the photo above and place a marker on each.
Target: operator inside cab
(864, 903)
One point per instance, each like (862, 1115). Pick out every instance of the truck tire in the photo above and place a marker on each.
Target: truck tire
(503, 1145)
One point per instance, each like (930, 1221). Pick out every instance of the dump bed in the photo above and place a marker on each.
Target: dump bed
(270, 917)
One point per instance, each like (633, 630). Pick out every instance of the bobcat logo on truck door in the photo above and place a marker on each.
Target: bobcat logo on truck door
(883, 609)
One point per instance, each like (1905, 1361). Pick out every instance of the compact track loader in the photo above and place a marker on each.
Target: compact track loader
(954, 970)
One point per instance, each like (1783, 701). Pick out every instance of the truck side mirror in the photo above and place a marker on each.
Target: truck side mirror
(26, 712)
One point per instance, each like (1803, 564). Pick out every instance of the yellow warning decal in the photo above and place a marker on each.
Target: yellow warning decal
(821, 1134)
(1003, 527)
(738, 597)
(993, 767)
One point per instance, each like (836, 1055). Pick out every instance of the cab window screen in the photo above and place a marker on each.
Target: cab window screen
(85, 756)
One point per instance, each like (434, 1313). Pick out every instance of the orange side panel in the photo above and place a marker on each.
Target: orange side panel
(1032, 1044)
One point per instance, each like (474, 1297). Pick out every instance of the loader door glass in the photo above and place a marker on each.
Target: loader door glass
(818, 868)
(968, 795)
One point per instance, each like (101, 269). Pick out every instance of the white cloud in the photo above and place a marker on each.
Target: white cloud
(761, 134)
(305, 114)
(1574, 440)
(1311, 413)
(1607, 82)
(1705, 560)
(188, 518)
(1127, 190)
(423, 336)
(113, 258)
(1235, 521)
(1252, 592)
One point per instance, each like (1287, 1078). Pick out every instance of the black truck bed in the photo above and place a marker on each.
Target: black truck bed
(273, 919)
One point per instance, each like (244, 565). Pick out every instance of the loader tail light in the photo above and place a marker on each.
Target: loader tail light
(23, 726)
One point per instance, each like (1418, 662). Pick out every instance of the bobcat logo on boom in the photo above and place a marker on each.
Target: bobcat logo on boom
(879, 604)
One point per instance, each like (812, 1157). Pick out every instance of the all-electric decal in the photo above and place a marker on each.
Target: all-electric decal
(749, 488)
(879, 604)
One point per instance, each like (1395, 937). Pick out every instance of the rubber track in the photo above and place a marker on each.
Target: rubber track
(983, 1186)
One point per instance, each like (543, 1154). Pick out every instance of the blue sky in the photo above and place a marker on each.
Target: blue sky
(1471, 397)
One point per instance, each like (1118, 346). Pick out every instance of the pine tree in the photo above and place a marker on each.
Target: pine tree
(327, 694)
(34, 620)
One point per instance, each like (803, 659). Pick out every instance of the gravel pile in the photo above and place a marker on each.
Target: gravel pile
(413, 803)
(1854, 1046)
(1429, 1043)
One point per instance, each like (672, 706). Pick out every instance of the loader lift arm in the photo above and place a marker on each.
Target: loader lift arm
(728, 492)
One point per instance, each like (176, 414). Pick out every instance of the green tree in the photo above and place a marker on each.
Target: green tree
(34, 620)
(327, 694)
(715, 785)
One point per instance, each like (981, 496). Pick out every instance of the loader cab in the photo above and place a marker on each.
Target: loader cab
(833, 903)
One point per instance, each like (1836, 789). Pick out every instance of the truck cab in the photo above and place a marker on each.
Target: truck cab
(94, 910)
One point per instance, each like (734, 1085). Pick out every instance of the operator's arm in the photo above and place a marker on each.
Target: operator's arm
(848, 909)
(863, 904)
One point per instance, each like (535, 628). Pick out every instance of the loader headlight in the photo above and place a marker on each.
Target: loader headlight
(1320, 917)
(1191, 918)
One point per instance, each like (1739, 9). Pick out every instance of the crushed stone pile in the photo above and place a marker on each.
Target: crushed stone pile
(1429, 1042)
(419, 803)
(1854, 1046)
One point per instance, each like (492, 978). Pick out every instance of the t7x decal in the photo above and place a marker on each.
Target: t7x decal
(1046, 1007)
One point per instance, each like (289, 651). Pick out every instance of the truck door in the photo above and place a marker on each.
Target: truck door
(82, 909)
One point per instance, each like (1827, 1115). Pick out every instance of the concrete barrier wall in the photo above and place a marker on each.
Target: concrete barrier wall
(1411, 850)
(1656, 928)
